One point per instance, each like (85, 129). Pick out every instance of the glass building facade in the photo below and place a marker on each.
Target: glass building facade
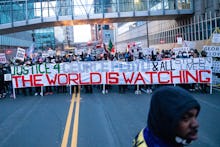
(44, 38)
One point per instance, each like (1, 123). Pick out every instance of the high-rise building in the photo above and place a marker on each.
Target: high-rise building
(163, 34)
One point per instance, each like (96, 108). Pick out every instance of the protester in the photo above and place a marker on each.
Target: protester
(171, 119)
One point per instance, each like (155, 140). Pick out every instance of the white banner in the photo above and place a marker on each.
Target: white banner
(20, 54)
(195, 70)
(2, 58)
(212, 51)
(216, 67)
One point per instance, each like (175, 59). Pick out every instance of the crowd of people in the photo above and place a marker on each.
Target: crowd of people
(6, 86)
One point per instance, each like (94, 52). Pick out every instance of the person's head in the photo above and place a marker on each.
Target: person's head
(173, 115)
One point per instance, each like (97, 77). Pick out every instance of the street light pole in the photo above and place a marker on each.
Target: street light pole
(148, 43)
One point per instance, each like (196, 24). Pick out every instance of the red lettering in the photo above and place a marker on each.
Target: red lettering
(206, 80)
(24, 81)
(176, 76)
(81, 82)
(128, 80)
(60, 77)
(160, 77)
(75, 79)
(188, 74)
(151, 76)
(98, 75)
(112, 77)
(16, 80)
(37, 79)
(139, 77)
(183, 75)
(51, 81)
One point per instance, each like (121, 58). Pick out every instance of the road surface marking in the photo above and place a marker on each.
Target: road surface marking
(76, 121)
(68, 122)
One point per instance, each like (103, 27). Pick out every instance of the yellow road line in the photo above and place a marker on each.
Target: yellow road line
(68, 122)
(76, 121)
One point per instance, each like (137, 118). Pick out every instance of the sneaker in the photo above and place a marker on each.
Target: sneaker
(150, 91)
(106, 91)
(36, 94)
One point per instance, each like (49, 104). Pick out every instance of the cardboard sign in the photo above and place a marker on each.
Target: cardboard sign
(212, 51)
(2, 58)
(216, 67)
(7, 77)
(20, 54)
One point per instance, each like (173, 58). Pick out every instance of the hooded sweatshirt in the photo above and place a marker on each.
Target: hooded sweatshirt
(168, 105)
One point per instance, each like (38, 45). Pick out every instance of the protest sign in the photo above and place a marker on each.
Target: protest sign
(148, 51)
(179, 40)
(212, 51)
(7, 77)
(20, 54)
(2, 58)
(190, 44)
(45, 55)
(193, 70)
(216, 38)
(181, 49)
(216, 67)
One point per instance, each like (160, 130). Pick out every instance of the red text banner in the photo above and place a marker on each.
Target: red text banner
(179, 71)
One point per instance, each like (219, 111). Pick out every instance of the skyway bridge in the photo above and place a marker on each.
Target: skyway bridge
(22, 15)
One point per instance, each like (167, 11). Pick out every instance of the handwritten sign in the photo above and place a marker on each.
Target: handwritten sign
(7, 77)
(2, 58)
(20, 54)
(216, 67)
(212, 51)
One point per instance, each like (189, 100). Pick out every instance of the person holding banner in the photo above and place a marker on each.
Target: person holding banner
(1, 82)
(172, 119)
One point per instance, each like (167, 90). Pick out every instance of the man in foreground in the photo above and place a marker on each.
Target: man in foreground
(172, 119)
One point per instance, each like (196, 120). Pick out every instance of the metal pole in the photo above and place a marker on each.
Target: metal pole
(70, 89)
(148, 44)
(26, 11)
(103, 89)
(14, 93)
(42, 91)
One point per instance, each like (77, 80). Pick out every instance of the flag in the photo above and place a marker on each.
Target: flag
(110, 45)
(30, 50)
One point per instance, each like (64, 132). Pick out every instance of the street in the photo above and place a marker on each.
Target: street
(96, 120)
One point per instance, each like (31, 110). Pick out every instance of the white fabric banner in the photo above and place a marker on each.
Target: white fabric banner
(190, 70)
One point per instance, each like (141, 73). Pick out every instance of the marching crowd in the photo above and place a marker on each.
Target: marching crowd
(6, 86)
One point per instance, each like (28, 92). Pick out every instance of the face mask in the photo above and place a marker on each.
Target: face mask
(182, 141)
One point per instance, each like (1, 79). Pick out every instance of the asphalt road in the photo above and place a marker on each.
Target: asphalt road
(96, 120)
